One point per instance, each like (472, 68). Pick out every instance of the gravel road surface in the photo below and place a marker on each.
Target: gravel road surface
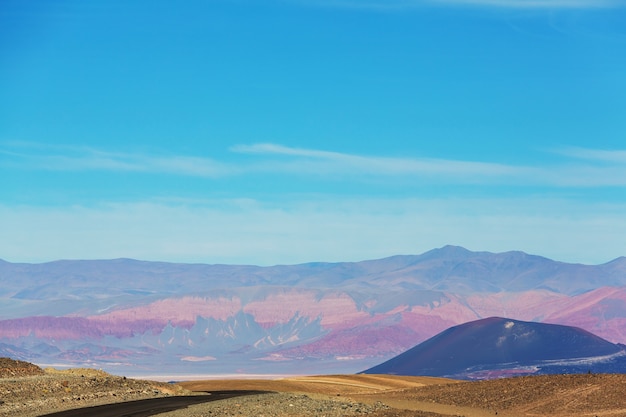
(149, 407)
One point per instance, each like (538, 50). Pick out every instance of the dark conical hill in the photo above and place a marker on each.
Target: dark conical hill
(499, 343)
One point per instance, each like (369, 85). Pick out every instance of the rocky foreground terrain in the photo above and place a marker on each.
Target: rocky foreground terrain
(28, 391)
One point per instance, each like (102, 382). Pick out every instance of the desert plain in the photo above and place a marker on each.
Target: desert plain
(29, 391)
(547, 395)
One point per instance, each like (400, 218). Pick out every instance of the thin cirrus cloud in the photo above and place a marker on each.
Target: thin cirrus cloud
(575, 167)
(337, 162)
(345, 229)
(599, 155)
(318, 163)
(580, 168)
(537, 4)
(502, 4)
(73, 158)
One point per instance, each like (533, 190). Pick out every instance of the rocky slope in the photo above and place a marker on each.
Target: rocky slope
(29, 391)
(10, 368)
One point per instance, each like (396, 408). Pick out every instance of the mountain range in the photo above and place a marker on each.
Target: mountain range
(138, 317)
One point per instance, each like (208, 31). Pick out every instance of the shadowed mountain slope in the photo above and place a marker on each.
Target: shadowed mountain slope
(502, 344)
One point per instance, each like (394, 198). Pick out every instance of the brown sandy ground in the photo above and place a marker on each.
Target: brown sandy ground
(546, 395)
(554, 395)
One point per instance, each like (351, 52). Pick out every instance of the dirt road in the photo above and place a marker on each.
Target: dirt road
(150, 407)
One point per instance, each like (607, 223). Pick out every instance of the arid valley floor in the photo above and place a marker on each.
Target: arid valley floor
(559, 395)
(30, 392)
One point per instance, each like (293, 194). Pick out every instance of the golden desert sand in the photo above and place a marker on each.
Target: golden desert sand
(548, 395)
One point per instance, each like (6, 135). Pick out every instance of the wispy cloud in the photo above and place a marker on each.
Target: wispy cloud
(503, 4)
(577, 167)
(38, 156)
(291, 160)
(599, 155)
(576, 171)
(537, 4)
(337, 162)
(332, 229)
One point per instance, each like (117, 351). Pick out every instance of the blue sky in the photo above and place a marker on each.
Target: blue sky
(288, 131)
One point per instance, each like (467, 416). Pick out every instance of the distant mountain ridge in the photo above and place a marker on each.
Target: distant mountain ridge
(129, 313)
(444, 269)
(499, 346)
